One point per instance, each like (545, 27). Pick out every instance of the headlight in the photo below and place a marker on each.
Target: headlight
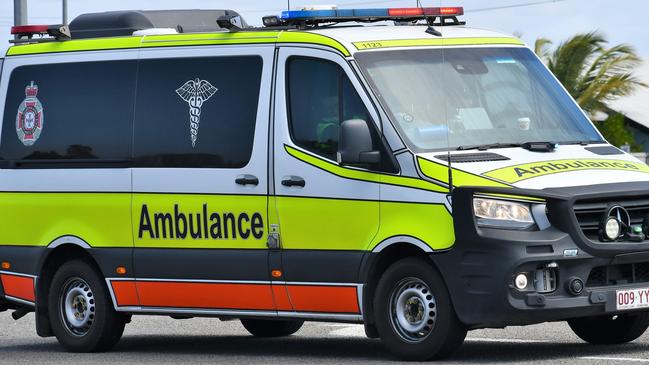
(502, 214)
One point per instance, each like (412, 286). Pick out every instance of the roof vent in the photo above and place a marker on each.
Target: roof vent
(125, 23)
(604, 150)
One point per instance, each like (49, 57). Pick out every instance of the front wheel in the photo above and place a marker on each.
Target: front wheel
(271, 327)
(414, 315)
(81, 312)
(610, 330)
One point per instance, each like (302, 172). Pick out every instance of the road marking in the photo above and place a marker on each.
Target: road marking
(359, 331)
(349, 331)
(504, 340)
(628, 359)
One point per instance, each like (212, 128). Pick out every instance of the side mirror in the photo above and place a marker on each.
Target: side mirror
(355, 146)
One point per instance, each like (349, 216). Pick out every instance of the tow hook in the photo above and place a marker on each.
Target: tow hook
(20, 313)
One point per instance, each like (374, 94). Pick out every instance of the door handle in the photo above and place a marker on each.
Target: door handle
(289, 181)
(247, 180)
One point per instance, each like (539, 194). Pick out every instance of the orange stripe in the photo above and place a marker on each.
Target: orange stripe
(281, 298)
(329, 299)
(18, 286)
(125, 293)
(205, 295)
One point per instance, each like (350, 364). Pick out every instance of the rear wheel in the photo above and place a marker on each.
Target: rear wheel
(81, 312)
(270, 327)
(414, 315)
(609, 330)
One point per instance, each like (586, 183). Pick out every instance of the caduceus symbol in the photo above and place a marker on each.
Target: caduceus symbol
(195, 93)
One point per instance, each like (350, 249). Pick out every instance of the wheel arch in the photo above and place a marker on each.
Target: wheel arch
(380, 258)
(59, 251)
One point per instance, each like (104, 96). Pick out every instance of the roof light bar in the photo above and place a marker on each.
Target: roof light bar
(28, 31)
(370, 14)
(406, 12)
(445, 11)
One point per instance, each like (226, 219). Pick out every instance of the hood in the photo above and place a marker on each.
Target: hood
(568, 165)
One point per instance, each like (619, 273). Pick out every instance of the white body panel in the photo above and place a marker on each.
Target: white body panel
(519, 156)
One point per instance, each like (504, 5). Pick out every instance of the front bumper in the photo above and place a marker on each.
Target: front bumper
(479, 271)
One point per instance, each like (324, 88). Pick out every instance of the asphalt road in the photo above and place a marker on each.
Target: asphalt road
(162, 340)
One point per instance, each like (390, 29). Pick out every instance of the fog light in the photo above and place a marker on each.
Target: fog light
(520, 281)
(612, 229)
(575, 286)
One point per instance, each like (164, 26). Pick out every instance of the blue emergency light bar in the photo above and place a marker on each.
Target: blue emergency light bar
(372, 13)
(363, 15)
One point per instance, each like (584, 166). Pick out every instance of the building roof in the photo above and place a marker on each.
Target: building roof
(636, 106)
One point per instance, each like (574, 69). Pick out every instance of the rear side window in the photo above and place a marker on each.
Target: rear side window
(320, 98)
(69, 111)
(196, 112)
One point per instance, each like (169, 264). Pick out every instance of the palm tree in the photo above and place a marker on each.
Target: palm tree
(592, 73)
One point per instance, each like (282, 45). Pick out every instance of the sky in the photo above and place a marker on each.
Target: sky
(622, 21)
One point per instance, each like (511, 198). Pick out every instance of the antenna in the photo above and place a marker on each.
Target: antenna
(448, 125)
(288, 5)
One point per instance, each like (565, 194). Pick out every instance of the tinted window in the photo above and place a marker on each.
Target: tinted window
(321, 97)
(198, 112)
(69, 111)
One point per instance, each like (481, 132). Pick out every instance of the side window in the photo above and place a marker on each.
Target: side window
(320, 98)
(196, 112)
(69, 111)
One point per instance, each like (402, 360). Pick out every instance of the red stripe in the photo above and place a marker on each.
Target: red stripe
(282, 300)
(301, 298)
(20, 287)
(125, 293)
(328, 299)
(205, 295)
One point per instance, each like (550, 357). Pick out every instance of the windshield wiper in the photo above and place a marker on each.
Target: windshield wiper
(583, 143)
(530, 146)
(488, 146)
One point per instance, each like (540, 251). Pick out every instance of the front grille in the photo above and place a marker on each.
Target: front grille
(590, 214)
(618, 275)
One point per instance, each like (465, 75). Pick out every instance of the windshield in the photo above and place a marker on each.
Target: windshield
(473, 96)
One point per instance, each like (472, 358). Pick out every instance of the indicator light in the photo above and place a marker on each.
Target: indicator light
(121, 270)
(6, 265)
(276, 273)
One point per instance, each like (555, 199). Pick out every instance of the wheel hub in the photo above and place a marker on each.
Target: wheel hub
(77, 307)
(412, 310)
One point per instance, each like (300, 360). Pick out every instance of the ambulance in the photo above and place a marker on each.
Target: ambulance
(386, 167)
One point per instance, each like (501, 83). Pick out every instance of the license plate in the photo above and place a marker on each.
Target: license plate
(632, 298)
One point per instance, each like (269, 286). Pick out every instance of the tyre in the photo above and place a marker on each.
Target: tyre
(414, 315)
(610, 330)
(81, 312)
(271, 327)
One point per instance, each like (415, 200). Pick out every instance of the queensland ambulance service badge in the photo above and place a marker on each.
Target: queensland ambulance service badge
(30, 117)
